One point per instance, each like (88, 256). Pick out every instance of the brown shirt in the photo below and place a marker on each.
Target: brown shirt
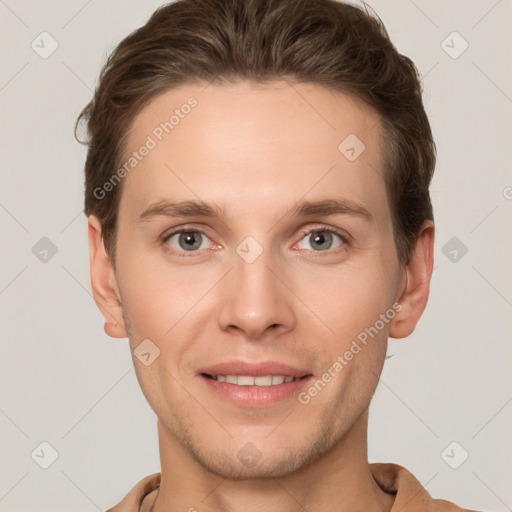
(410, 495)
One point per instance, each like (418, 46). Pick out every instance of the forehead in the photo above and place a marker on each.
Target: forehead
(253, 145)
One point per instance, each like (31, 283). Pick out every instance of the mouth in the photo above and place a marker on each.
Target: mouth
(252, 385)
(255, 380)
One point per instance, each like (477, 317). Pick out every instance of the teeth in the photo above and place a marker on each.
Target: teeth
(262, 381)
(247, 380)
(244, 380)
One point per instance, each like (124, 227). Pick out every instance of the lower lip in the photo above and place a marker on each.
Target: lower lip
(256, 396)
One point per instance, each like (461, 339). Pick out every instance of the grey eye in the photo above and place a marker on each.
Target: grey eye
(188, 240)
(322, 240)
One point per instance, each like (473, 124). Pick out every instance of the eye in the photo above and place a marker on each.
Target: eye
(323, 238)
(186, 240)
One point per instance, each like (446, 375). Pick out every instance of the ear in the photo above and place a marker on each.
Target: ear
(414, 292)
(103, 281)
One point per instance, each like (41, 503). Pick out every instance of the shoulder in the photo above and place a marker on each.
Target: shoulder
(132, 501)
(410, 495)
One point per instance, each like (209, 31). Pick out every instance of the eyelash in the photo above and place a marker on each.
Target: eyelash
(322, 228)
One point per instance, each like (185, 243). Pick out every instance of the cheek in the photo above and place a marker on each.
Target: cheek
(347, 300)
(165, 305)
(157, 295)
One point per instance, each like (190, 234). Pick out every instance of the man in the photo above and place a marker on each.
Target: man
(259, 224)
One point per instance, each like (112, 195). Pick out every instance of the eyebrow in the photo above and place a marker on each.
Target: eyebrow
(304, 209)
(180, 209)
(331, 207)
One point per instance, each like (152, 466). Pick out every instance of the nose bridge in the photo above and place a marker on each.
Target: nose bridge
(254, 298)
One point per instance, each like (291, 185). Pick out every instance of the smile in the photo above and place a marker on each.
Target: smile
(248, 380)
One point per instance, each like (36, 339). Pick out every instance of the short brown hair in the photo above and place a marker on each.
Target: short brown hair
(326, 42)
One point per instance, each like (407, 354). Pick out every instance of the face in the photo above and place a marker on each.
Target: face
(228, 265)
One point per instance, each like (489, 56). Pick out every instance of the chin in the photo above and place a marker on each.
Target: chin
(251, 463)
(233, 469)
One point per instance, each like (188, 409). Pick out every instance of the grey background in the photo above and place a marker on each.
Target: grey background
(65, 382)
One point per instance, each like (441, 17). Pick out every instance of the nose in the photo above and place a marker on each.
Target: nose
(255, 299)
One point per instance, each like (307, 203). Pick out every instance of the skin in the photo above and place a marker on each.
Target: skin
(256, 151)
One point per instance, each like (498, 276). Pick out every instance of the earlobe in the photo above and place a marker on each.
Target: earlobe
(415, 290)
(103, 281)
(114, 329)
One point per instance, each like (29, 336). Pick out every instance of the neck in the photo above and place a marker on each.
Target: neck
(340, 480)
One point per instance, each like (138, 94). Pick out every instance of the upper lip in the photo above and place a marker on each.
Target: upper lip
(238, 367)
